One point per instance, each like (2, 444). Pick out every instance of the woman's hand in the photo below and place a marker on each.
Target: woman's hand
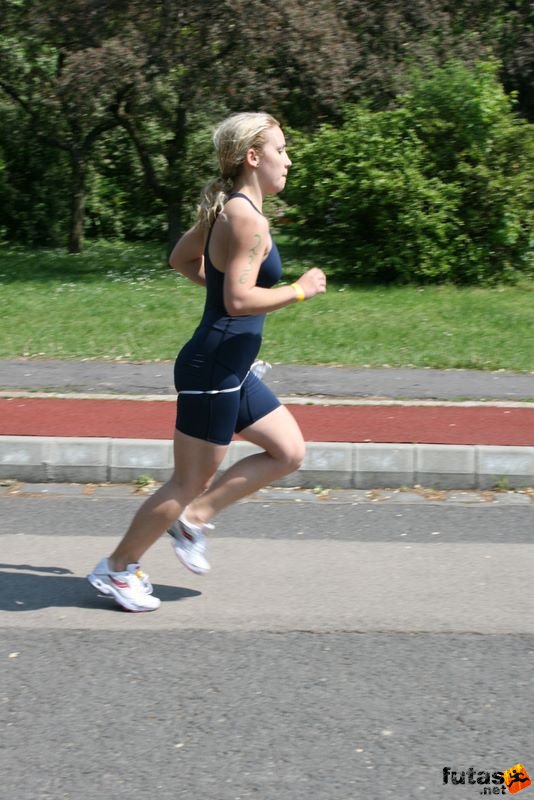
(313, 282)
(187, 256)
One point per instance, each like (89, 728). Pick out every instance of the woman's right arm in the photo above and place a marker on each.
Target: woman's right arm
(187, 256)
(247, 241)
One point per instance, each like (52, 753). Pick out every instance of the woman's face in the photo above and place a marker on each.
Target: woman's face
(273, 162)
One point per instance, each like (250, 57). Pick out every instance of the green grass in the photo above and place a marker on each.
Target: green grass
(121, 302)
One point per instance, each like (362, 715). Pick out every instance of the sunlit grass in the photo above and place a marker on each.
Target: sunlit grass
(119, 301)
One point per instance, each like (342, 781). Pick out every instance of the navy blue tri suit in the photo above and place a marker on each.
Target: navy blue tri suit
(217, 359)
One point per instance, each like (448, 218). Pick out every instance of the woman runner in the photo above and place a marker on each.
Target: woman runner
(229, 250)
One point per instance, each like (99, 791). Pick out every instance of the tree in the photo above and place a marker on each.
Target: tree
(158, 70)
(164, 72)
(393, 36)
(66, 72)
(506, 27)
(204, 59)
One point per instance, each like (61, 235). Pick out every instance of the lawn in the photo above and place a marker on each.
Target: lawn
(121, 302)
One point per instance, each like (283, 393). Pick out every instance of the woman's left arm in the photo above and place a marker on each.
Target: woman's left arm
(187, 256)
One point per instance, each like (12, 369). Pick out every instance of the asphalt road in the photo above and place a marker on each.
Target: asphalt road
(156, 378)
(346, 646)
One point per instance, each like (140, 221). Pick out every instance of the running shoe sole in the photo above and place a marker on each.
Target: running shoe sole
(190, 567)
(104, 588)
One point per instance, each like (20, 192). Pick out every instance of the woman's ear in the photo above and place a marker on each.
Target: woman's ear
(252, 158)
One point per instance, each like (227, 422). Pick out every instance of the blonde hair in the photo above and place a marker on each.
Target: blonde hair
(232, 139)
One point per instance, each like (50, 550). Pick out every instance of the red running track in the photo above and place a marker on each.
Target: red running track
(154, 419)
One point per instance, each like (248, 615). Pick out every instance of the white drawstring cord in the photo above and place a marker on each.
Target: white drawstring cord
(258, 368)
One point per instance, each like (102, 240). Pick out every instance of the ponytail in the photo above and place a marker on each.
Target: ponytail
(212, 200)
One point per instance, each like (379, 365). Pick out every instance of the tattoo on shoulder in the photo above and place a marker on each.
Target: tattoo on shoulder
(252, 254)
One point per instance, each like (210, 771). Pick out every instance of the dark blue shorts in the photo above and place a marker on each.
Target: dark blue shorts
(216, 417)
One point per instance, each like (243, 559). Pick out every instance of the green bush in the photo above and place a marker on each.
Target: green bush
(361, 194)
(439, 189)
(475, 142)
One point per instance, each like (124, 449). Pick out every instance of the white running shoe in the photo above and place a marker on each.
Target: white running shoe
(135, 569)
(127, 588)
(143, 577)
(189, 544)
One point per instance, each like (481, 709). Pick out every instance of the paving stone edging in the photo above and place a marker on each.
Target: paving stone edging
(330, 465)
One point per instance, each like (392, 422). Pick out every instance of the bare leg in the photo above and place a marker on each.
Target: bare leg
(279, 435)
(195, 463)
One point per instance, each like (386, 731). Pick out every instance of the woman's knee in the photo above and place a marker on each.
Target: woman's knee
(187, 487)
(280, 437)
(291, 455)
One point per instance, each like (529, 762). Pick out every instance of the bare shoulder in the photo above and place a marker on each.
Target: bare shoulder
(240, 234)
(241, 217)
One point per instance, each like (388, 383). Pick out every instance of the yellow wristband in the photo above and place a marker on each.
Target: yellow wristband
(299, 291)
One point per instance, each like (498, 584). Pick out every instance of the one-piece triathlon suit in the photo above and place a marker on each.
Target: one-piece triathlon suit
(217, 395)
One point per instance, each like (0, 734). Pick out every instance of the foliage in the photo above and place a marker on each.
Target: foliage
(32, 197)
(360, 193)
(475, 142)
(438, 189)
(190, 48)
(118, 204)
(390, 37)
(107, 104)
(504, 28)
(63, 68)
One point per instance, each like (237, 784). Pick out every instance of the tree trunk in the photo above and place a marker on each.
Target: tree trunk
(78, 178)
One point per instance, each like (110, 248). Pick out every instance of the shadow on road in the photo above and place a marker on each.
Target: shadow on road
(56, 587)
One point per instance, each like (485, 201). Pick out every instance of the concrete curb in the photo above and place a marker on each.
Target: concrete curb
(330, 465)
